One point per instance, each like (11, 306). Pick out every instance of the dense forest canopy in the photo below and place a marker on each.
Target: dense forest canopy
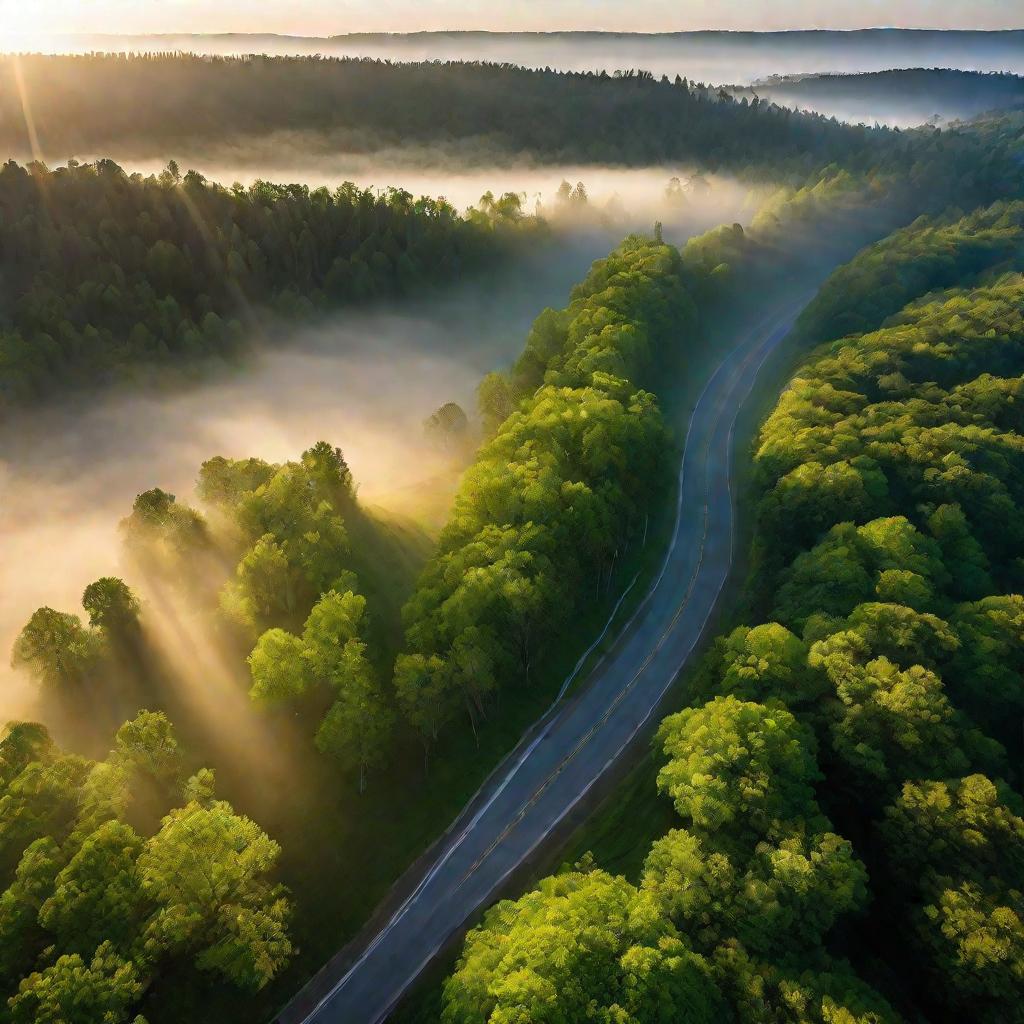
(117, 869)
(907, 96)
(930, 253)
(849, 765)
(150, 104)
(863, 738)
(164, 888)
(575, 457)
(102, 271)
(297, 584)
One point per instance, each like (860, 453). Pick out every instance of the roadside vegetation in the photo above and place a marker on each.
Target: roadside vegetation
(848, 830)
(347, 683)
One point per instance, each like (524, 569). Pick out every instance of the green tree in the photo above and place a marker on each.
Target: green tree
(448, 426)
(766, 993)
(97, 896)
(206, 871)
(56, 649)
(21, 937)
(572, 950)
(77, 991)
(111, 606)
(783, 900)
(148, 745)
(739, 767)
(280, 671)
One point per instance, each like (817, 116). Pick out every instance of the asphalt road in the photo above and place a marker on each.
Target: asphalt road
(557, 764)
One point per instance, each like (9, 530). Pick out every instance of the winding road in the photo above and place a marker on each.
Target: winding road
(579, 739)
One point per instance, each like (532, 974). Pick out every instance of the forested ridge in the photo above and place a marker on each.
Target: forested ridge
(933, 252)
(846, 778)
(569, 476)
(930, 90)
(153, 104)
(75, 107)
(104, 272)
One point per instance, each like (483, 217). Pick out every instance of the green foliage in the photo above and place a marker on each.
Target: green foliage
(739, 767)
(900, 607)
(329, 657)
(766, 662)
(97, 896)
(766, 993)
(577, 949)
(781, 900)
(291, 523)
(987, 676)
(111, 605)
(280, 674)
(931, 253)
(958, 847)
(889, 478)
(20, 932)
(565, 481)
(113, 270)
(492, 112)
(97, 907)
(78, 991)
(165, 539)
(205, 871)
(56, 649)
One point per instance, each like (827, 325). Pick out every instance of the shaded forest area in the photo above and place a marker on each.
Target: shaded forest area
(848, 830)
(149, 105)
(916, 93)
(126, 878)
(102, 272)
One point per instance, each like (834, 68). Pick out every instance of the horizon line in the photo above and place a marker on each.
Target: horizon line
(535, 32)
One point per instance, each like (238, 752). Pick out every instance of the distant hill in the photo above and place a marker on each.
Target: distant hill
(740, 57)
(904, 97)
(161, 104)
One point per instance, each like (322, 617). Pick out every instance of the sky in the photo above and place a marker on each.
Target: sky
(328, 17)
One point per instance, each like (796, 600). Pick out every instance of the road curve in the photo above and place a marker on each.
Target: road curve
(557, 764)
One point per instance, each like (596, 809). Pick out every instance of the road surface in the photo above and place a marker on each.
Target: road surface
(557, 764)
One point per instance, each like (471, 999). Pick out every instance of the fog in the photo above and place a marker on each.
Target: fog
(630, 197)
(901, 100)
(364, 380)
(734, 57)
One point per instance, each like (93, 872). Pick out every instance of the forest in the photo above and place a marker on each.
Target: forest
(845, 777)
(108, 272)
(249, 734)
(913, 95)
(281, 567)
(152, 105)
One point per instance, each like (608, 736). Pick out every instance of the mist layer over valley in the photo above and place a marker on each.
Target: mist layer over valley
(364, 380)
(899, 99)
(379, 445)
